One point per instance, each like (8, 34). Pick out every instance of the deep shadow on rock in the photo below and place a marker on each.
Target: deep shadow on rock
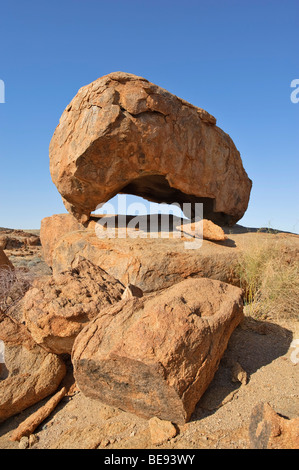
(254, 344)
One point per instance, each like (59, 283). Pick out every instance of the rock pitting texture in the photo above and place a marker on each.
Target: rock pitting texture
(122, 133)
(31, 372)
(156, 356)
(56, 309)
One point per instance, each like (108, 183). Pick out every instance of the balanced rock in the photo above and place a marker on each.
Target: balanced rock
(156, 355)
(123, 134)
(57, 308)
(30, 373)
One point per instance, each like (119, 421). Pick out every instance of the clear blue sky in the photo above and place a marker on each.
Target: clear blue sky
(236, 59)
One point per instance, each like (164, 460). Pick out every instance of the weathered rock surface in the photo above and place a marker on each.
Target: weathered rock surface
(57, 308)
(269, 430)
(4, 261)
(153, 264)
(122, 133)
(52, 229)
(148, 263)
(205, 229)
(155, 356)
(30, 374)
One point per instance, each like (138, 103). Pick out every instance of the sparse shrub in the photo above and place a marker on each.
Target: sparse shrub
(14, 283)
(269, 276)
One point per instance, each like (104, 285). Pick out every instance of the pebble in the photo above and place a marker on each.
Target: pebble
(33, 439)
(105, 442)
(24, 443)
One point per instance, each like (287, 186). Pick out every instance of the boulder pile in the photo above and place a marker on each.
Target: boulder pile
(144, 321)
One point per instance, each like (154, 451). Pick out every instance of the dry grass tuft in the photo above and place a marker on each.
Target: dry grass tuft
(269, 276)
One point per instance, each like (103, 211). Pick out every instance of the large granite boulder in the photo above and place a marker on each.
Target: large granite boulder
(156, 356)
(123, 134)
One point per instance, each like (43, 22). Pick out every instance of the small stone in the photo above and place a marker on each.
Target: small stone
(105, 442)
(33, 439)
(239, 374)
(161, 431)
(24, 442)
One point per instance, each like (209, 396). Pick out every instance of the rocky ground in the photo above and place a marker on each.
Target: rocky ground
(24, 250)
(257, 367)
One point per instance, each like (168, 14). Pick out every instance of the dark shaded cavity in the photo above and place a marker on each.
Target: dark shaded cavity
(155, 188)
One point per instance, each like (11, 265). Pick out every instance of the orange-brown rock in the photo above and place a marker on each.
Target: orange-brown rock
(148, 263)
(57, 308)
(11, 239)
(52, 229)
(122, 133)
(161, 431)
(269, 430)
(153, 264)
(27, 427)
(156, 355)
(204, 229)
(30, 373)
(4, 261)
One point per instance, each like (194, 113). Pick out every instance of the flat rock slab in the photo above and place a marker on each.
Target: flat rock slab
(152, 264)
(156, 356)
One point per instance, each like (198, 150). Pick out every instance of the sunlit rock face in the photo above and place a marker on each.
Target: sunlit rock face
(123, 134)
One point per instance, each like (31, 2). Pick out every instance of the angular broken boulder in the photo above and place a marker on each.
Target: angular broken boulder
(57, 308)
(156, 355)
(123, 134)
